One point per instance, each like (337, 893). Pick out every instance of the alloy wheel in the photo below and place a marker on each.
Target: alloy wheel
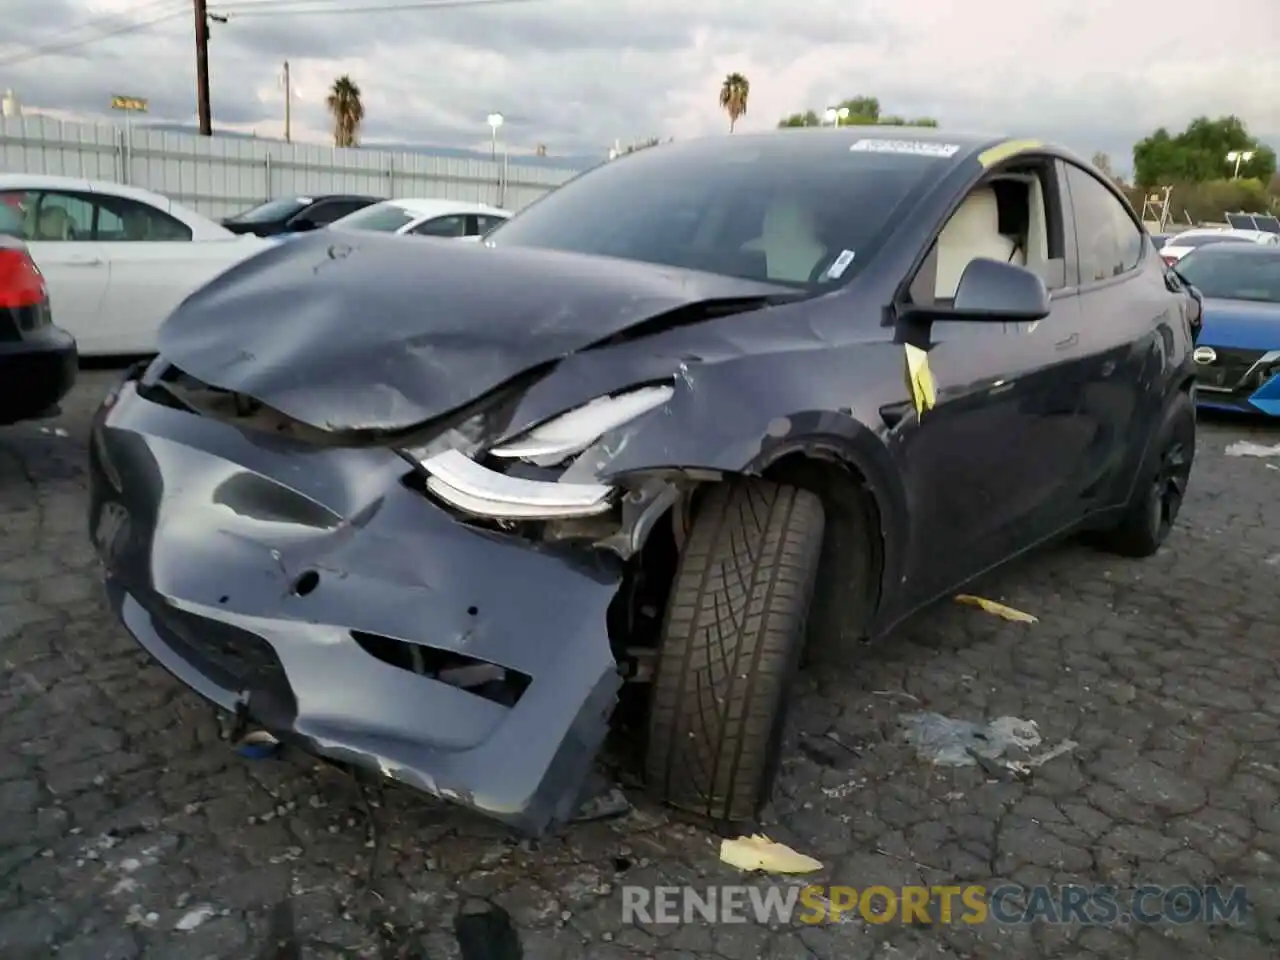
(1169, 487)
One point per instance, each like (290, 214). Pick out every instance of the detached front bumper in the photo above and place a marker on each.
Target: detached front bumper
(317, 592)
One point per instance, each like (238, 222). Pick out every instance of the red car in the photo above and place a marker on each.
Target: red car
(38, 361)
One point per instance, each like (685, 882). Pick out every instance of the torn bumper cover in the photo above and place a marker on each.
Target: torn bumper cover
(344, 610)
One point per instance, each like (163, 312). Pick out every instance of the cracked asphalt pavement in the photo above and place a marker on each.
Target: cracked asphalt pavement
(128, 828)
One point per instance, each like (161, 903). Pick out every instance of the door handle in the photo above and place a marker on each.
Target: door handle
(1070, 341)
(84, 262)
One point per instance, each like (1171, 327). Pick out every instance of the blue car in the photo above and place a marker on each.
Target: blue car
(1237, 356)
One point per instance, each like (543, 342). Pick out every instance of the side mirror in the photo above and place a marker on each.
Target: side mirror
(301, 225)
(991, 291)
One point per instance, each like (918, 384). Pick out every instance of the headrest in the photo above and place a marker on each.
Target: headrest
(978, 214)
(787, 220)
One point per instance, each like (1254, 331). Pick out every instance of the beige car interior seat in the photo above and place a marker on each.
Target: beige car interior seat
(789, 240)
(972, 232)
(55, 224)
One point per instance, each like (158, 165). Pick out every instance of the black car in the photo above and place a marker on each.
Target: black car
(296, 214)
(427, 511)
(37, 360)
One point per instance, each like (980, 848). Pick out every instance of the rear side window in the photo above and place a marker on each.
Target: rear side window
(121, 220)
(1108, 241)
(487, 223)
(454, 225)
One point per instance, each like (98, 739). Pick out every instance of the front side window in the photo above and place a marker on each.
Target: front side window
(1233, 272)
(1108, 241)
(121, 220)
(12, 223)
(454, 225)
(801, 211)
(380, 218)
(47, 216)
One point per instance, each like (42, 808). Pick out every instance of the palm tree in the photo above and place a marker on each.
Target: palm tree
(347, 111)
(733, 97)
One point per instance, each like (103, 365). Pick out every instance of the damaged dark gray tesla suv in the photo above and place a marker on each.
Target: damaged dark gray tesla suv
(426, 507)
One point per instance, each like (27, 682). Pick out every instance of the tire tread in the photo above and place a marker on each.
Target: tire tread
(734, 626)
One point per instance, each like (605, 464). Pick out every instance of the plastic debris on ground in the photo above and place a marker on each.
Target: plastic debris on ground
(1243, 448)
(996, 609)
(757, 853)
(258, 745)
(945, 741)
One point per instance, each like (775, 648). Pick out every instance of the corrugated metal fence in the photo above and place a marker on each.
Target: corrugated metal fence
(219, 176)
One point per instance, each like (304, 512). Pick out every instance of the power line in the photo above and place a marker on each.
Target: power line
(290, 8)
(121, 30)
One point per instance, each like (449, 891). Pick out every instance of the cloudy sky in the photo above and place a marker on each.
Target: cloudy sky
(578, 74)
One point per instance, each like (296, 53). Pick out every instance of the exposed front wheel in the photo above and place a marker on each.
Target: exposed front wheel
(1161, 488)
(731, 644)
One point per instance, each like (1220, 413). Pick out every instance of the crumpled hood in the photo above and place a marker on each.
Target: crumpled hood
(1241, 324)
(372, 331)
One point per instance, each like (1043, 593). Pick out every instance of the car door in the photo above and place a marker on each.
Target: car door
(1125, 305)
(58, 228)
(153, 266)
(987, 468)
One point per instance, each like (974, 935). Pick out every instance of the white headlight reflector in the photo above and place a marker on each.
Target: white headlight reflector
(573, 432)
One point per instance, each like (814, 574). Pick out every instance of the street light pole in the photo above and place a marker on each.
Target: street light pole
(495, 121)
(1238, 157)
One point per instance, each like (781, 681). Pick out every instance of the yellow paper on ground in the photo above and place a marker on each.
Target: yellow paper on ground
(996, 609)
(759, 853)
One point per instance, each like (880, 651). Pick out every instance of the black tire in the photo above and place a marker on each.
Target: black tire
(1161, 487)
(731, 644)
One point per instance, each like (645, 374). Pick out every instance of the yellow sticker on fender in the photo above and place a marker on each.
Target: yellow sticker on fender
(1003, 151)
(924, 394)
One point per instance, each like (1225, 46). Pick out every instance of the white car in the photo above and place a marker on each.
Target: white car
(117, 259)
(1179, 245)
(425, 218)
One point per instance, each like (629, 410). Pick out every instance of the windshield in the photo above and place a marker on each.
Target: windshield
(1226, 274)
(273, 210)
(786, 208)
(383, 217)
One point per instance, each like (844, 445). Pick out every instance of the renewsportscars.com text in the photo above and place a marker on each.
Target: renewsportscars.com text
(971, 904)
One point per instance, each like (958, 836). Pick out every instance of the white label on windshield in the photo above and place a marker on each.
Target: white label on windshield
(837, 269)
(305, 201)
(919, 148)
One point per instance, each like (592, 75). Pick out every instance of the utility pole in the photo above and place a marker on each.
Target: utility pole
(202, 69)
(288, 100)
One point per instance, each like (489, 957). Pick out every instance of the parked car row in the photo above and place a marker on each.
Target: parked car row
(118, 259)
(1176, 246)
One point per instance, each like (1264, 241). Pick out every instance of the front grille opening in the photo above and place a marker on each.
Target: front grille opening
(500, 685)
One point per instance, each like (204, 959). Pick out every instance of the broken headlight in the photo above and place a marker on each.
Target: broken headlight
(459, 480)
(569, 434)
